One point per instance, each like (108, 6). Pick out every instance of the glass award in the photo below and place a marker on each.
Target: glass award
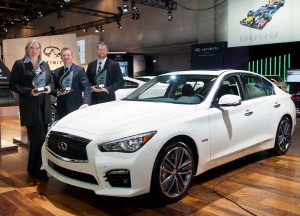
(39, 82)
(100, 79)
(66, 81)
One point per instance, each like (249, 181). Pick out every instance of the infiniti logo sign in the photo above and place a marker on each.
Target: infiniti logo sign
(62, 146)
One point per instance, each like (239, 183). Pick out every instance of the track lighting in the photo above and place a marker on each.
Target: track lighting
(96, 29)
(135, 11)
(119, 25)
(101, 29)
(85, 30)
(170, 16)
(125, 7)
(40, 14)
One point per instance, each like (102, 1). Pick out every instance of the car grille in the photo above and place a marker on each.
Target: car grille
(73, 174)
(67, 147)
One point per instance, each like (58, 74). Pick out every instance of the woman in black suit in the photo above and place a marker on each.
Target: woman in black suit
(34, 106)
(110, 73)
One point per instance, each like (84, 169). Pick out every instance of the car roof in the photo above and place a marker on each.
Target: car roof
(206, 72)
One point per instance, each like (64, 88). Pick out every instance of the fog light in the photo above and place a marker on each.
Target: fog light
(118, 178)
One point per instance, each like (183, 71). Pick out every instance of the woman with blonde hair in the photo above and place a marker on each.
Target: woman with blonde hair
(34, 104)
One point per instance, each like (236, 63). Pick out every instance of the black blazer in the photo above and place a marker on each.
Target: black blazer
(114, 80)
(20, 82)
(80, 93)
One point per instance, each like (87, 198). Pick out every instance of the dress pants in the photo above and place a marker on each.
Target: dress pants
(36, 136)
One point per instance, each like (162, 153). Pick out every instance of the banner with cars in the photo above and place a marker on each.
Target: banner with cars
(257, 22)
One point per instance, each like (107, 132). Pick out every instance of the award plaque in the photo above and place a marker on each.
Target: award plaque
(39, 82)
(66, 81)
(100, 79)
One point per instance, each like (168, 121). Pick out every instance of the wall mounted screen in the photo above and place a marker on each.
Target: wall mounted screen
(257, 22)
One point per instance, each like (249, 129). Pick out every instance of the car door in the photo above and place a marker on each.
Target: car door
(236, 128)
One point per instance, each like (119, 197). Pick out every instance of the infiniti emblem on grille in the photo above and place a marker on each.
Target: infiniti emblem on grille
(62, 146)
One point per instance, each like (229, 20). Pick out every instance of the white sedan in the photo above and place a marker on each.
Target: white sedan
(174, 127)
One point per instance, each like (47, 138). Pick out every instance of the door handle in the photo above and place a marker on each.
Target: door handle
(248, 113)
(277, 105)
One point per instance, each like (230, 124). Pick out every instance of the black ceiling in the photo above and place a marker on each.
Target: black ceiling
(22, 11)
(19, 13)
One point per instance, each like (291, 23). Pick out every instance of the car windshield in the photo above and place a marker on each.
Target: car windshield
(179, 89)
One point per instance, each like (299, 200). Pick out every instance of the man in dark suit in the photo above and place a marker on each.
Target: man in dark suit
(79, 95)
(108, 74)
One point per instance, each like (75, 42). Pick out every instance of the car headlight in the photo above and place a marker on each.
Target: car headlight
(127, 144)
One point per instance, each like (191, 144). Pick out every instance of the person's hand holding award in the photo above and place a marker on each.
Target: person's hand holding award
(39, 83)
(66, 81)
(100, 80)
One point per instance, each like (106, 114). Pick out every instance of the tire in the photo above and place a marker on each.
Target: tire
(283, 137)
(173, 173)
(53, 114)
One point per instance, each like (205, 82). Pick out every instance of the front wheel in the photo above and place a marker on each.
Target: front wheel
(173, 172)
(283, 137)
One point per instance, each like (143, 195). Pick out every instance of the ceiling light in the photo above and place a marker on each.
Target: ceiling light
(170, 16)
(125, 7)
(96, 29)
(85, 30)
(101, 29)
(119, 25)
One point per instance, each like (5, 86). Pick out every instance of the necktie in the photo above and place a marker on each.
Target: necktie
(66, 70)
(99, 68)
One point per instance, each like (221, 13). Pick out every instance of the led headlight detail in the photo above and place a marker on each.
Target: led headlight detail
(128, 144)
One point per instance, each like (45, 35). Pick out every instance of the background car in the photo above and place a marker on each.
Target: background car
(296, 99)
(130, 84)
(277, 80)
(156, 144)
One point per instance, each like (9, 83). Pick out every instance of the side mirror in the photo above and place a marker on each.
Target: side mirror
(230, 100)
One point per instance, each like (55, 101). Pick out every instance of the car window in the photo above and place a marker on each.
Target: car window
(130, 84)
(228, 86)
(255, 86)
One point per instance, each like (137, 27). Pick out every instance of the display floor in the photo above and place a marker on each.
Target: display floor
(260, 184)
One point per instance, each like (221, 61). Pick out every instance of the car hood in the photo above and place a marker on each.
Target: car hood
(118, 116)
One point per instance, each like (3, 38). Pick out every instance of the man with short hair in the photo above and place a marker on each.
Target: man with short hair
(105, 76)
(79, 94)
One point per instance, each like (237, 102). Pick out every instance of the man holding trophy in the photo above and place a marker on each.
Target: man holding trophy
(72, 86)
(105, 76)
(32, 80)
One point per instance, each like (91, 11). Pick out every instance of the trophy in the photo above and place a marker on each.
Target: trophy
(66, 81)
(39, 82)
(100, 79)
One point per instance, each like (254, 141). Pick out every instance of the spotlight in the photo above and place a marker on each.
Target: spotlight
(101, 29)
(96, 29)
(5, 29)
(40, 14)
(85, 30)
(125, 7)
(119, 25)
(170, 16)
(135, 12)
